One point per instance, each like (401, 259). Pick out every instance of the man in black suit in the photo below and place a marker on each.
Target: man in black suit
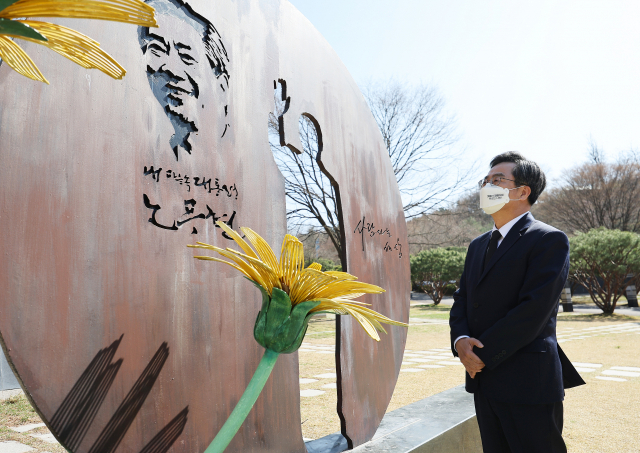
(503, 319)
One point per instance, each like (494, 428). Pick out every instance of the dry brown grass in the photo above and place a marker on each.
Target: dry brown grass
(17, 411)
(600, 417)
(412, 387)
(603, 416)
(319, 413)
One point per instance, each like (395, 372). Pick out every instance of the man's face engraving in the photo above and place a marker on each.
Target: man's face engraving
(176, 65)
(182, 75)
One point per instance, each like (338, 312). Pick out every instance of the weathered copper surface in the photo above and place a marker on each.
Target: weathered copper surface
(122, 340)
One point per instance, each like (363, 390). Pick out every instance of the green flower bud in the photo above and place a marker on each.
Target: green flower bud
(280, 326)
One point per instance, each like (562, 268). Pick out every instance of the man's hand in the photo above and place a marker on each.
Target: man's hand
(471, 362)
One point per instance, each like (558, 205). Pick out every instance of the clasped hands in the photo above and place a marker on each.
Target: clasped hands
(471, 362)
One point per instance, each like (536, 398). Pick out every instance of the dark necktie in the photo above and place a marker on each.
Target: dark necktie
(493, 246)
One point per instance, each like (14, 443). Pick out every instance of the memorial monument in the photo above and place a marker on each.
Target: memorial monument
(121, 340)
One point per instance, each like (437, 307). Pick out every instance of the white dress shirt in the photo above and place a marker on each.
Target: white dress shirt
(504, 230)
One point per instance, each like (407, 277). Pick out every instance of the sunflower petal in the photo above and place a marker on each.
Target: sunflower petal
(237, 238)
(202, 245)
(267, 273)
(342, 275)
(291, 259)
(262, 247)
(211, 258)
(18, 60)
(333, 304)
(353, 296)
(366, 324)
(307, 283)
(134, 12)
(374, 320)
(315, 266)
(381, 318)
(344, 288)
(77, 47)
(252, 272)
(377, 325)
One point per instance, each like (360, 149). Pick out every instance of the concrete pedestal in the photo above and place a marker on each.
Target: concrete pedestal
(442, 423)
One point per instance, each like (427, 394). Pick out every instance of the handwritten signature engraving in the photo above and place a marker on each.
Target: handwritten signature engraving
(370, 230)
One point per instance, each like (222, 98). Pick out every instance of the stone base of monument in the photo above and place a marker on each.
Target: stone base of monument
(442, 423)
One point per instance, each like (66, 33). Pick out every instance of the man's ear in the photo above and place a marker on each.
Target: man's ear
(526, 191)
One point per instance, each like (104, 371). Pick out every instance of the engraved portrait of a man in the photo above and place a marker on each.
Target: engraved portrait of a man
(187, 69)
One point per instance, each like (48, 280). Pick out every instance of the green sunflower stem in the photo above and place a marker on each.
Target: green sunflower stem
(248, 399)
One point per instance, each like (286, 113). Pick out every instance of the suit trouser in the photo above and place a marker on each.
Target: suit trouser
(519, 428)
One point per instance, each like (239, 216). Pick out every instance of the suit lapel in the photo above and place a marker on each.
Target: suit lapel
(512, 237)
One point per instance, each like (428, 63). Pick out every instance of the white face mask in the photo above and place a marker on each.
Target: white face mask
(493, 198)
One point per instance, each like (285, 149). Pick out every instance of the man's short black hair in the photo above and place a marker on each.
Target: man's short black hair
(525, 173)
(213, 45)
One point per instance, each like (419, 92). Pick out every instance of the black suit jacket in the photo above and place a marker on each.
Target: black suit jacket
(511, 307)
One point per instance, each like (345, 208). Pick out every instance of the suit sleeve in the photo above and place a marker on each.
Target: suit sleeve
(458, 313)
(547, 269)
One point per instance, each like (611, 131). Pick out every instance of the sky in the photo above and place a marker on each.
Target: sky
(540, 77)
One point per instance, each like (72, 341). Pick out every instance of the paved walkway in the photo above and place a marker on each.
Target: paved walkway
(421, 299)
(45, 435)
(584, 308)
(415, 361)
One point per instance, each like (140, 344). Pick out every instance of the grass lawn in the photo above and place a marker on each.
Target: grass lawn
(17, 411)
(430, 311)
(601, 416)
(319, 417)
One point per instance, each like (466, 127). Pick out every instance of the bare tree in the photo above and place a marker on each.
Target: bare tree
(419, 137)
(596, 194)
(313, 196)
(455, 226)
(596, 154)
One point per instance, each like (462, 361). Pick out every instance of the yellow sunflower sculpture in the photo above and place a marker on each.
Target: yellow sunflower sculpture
(291, 294)
(69, 43)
